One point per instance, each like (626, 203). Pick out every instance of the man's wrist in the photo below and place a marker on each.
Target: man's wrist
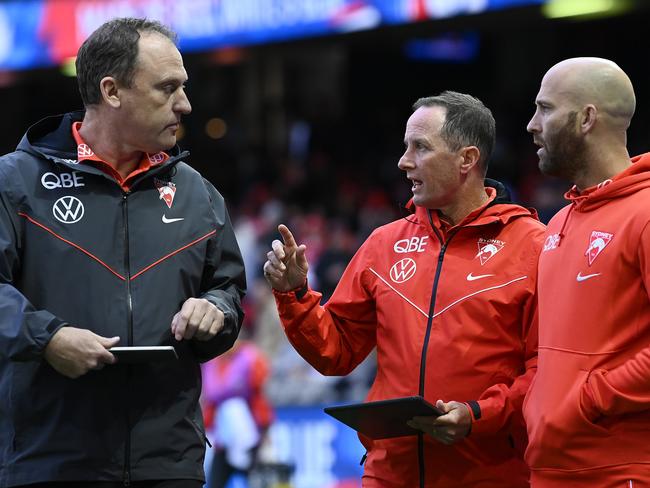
(302, 291)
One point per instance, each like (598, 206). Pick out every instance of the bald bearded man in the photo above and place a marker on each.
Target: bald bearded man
(588, 409)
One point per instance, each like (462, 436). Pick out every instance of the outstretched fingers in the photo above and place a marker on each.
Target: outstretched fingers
(287, 236)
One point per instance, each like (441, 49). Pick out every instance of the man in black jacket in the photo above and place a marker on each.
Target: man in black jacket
(107, 238)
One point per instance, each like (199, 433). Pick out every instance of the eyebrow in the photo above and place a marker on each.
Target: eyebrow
(179, 80)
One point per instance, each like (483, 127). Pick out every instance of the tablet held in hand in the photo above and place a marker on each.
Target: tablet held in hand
(143, 354)
(384, 419)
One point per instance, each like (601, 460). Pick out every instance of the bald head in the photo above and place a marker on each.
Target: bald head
(584, 108)
(595, 81)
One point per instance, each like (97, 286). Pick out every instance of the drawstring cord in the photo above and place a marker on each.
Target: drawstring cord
(566, 219)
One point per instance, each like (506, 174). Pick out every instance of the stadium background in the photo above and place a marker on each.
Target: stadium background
(298, 117)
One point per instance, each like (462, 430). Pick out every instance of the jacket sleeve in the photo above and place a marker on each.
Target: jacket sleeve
(24, 330)
(625, 388)
(501, 404)
(224, 282)
(336, 337)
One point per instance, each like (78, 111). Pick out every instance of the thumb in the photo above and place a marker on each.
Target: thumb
(108, 342)
(444, 407)
(301, 260)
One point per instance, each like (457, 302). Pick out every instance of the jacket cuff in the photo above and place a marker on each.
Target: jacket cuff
(302, 291)
(53, 327)
(474, 410)
(297, 293)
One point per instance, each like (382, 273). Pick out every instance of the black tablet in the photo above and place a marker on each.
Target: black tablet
(143, 354)
(385, 418)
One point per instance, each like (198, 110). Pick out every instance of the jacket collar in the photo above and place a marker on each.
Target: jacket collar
(51, 138)
(498, 209)
(633, 179)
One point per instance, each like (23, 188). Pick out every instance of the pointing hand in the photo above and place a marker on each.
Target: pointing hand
(286, 266)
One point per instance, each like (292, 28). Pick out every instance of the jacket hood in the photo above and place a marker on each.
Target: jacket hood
(633, 179)
(52, 138)
(500, 208)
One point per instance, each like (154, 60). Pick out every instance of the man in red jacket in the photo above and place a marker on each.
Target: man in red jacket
(446, 295)
(588, 410)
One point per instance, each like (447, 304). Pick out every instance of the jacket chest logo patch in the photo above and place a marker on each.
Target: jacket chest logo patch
(413, 244)
(52, 181)
(488, 248)
(551, 242)
(167, 190)
(156, 158)
(403, 270)
(84, 151)
(68, 210)
(597, 242)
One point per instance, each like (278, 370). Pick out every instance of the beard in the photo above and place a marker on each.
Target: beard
(564, 152)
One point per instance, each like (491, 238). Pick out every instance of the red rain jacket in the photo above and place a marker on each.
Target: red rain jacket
(588, 411)
(452, 313)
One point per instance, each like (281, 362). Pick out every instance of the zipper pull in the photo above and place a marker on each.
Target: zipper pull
(363, 458)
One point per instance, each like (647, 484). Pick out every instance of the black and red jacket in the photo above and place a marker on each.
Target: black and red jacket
(76, 249)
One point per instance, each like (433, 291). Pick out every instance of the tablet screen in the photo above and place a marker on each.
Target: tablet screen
(385, 418)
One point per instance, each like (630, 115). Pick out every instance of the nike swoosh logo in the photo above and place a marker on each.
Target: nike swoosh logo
(169, 221)
(586, 277)
(478, 277)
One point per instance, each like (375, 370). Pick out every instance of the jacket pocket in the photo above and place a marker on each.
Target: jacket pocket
(569, 416)
(561, 436)
(199, 432)
(587, 409)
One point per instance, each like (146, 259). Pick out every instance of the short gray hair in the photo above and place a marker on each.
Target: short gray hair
(112, 50)
(467, 123)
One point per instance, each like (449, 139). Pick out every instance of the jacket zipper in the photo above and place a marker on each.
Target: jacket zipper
(427, 335)
(129, 307)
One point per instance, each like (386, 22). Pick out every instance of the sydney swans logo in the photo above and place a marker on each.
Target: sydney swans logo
(488, 248)
(597, 242)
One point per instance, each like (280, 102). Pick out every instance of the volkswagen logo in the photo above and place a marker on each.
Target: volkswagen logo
(68, 210)
(403, 270)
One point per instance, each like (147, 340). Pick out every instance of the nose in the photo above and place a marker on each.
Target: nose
(182, 104)
(405, 162)
(533, 124)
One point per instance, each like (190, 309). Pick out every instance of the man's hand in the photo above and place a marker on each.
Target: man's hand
(449, 428)
(73, 352)
(286, 267)
(197, 319)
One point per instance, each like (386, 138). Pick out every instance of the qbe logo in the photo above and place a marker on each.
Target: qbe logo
(68, 210)
(551, 242)
(414, 244)
(52, 181)
(403, 270)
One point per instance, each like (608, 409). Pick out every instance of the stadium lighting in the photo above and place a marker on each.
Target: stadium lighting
(555, 9)
(68, 67)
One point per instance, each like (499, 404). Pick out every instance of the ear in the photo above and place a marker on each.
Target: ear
(109, 89)
(588, 118)
(471, 156)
